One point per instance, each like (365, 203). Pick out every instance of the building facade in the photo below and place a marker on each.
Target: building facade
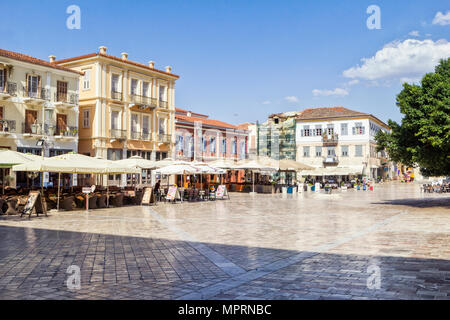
(199, 138)
(126, 108)
(343, 141)
(38, 102)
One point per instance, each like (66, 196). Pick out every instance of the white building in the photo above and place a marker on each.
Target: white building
(340, 143)
(38, 101)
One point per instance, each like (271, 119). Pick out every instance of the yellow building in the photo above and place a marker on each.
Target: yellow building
(126, 108)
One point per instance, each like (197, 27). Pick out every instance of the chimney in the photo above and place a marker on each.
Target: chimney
(124, 56)
(169, 69)
(52, 58)
(102, 49)
(151, 64)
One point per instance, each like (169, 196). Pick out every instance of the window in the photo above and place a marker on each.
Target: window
(86, 118)
(190, 146)
(61, 91)
(204, 143)
(87, 79)
(330, 129)
(358, 151)
(344, 129)
(33, 85)
(115, 154)
(145, 87)
(145, 124)
(223, 148)
(114, 120)
(331, 152)
(162, 93)
(134, 87)
(306, 132)
(318, 130)
(306, 152)
(234, 146)
(162, 126)
(212, 145)
(358, 129)
(242, 149)
(115, 83)
(318, 151)
(2, 80)
(180, 143)
(344, 151)
(134, 122)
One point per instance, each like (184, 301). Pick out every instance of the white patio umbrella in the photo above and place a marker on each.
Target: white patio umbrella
(253, 165)
(9, 158)
(169, 161)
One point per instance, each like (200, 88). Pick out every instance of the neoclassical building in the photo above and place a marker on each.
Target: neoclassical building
(126, 108)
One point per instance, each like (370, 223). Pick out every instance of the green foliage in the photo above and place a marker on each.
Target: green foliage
(423, 137)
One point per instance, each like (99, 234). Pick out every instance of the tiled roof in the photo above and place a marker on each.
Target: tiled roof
(185, 112)
(244, 126)
(331, 112)
(33, 60)
(114, 58)
(210, 122)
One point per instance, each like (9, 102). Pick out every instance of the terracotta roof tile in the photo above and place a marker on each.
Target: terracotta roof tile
(193, 113)
(204, 121)
(331, 112)
(114, 58)
(33, 60)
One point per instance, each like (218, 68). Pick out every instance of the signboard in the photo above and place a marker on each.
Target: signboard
(87, 190)
(171, 193)
(74, 180)
(148, 196)
(222, 191)
(35, 202)
(46, 177)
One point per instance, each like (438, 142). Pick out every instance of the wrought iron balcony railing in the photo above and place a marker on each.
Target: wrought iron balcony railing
(9, 88)
(118, 134)
(138, 99)
(116, 95)
(7, 125)
(32, 128)
(331, 160)
(134, 135)
(41, 94)
(163, 104)
(164, 138)
(69, 98)
(145, 136)
(330, 139)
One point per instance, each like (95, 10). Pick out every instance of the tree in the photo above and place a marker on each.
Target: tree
(423, 137)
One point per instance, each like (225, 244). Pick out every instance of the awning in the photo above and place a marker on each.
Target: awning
(333, 171)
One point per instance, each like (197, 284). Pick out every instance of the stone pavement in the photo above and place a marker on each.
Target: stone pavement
(306, 246)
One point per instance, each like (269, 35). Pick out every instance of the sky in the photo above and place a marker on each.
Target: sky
(241, 60)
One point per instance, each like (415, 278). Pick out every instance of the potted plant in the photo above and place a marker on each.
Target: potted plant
(327, 188)
(34, 127)
(74, 131)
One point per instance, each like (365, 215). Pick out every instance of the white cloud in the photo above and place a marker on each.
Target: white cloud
(267, 102)
(442, 19)
(352, 83)
(410, 58)
(410, 80)
(291, 99)
(414, 33)
(336, 92)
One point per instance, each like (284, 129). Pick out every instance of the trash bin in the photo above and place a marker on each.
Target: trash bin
(313, 188)
(284, 190)
(289, 190)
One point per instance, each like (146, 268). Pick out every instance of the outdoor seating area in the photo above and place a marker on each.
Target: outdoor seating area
(436, 188)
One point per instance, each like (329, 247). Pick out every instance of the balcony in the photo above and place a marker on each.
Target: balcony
(31, 129)
(164, 138)
(36, 97)
(7, 127)
(134, 135)
(145, 136)
(142, 101)
(118, 134)
(68, 100)
(330, 160)
(163, 104)
(330, 139)
(116, 95)
(8, 90)
(66, 132)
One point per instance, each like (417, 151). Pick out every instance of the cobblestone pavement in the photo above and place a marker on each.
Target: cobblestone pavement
(305, 246)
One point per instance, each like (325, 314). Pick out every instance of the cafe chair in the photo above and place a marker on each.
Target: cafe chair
(92, 201)
(101, 201)
(2, 203)
(67, 203)
(12, 206)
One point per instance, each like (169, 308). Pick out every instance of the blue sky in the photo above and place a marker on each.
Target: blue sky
(243, 60)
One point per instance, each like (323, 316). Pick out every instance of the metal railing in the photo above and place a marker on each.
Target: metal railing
(138, 99)
(67, 131)
(164, 138)
(9, 88)
(331, 160)
(145, 136)
(70, 98)
(330, 139)
(118, 134)
(116, 95)
(41, 94)
(7, 125)
(32, 128)
(163, 104)
(135, 135)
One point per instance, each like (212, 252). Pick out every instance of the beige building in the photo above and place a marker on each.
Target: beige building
(38, 102)
(126, 108)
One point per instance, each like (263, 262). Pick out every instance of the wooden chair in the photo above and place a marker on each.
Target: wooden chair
(67, 203)
(93, 201)
(101, 201)
(12, 206)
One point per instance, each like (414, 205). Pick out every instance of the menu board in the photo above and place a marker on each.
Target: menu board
(220, 191)
(34, 201)
(171, 193)
(147, 196)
